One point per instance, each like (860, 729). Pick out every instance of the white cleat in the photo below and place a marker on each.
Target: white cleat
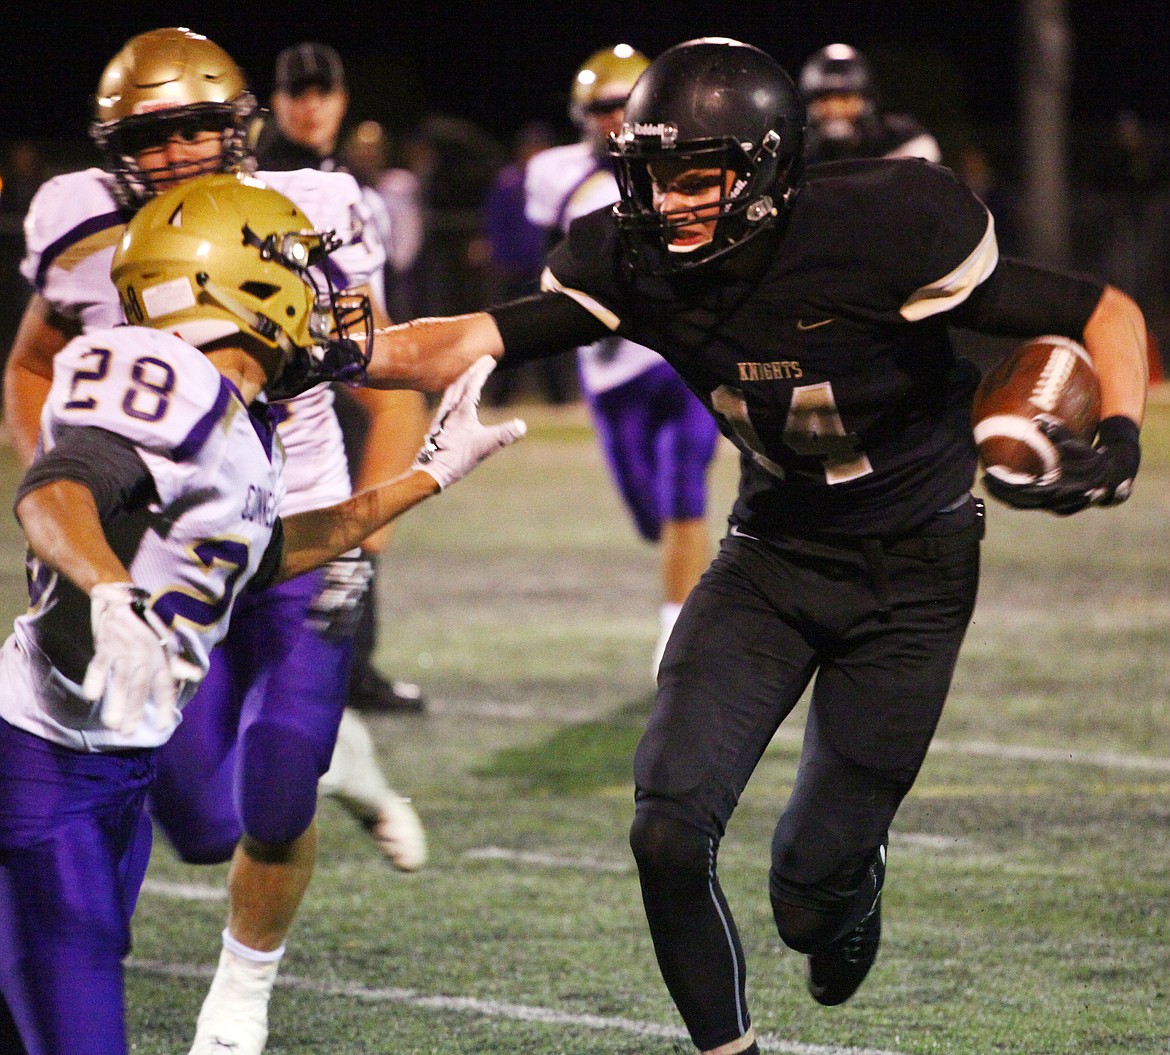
(355, 781)
(234, 1016)
(399, 834)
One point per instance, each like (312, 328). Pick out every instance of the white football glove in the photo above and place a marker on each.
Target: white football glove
(134, 659)
(458, 441)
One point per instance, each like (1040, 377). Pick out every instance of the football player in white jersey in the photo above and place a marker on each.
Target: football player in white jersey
(657, 437)
(151, 512)
(171, 106)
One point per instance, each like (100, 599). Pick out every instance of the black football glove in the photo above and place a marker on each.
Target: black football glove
(337, 608)
(1086, 475)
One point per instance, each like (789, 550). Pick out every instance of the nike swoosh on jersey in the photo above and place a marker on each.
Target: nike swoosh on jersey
(802, 325)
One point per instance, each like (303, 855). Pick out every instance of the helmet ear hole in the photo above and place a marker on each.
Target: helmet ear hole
(262, 291)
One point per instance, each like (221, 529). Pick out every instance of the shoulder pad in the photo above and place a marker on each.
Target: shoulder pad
(150, 387)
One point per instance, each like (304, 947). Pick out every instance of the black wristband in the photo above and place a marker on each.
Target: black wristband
(1120, 435)
(1118, 430)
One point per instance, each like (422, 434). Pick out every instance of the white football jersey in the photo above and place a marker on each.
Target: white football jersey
(193, 548)
(561, 184)
(73, 226)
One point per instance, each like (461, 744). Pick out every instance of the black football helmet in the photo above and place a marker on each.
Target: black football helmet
(838, 69)
(708, 102)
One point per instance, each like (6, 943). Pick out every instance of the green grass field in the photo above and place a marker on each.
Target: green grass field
(1027, 897)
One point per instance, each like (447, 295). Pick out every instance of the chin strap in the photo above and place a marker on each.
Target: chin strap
(261, 324)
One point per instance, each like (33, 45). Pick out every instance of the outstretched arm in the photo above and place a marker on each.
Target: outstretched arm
(1115, 337)
(429, 354)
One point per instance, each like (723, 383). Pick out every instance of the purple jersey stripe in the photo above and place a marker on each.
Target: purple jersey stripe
(83, 230)
(197, 437)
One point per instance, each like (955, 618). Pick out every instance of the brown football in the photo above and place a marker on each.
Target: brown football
(1044, 378)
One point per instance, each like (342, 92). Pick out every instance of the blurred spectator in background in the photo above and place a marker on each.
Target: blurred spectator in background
(515, 244)
(381, 429)
(396, 203)
(22, 171)
(515, 250)
(455, 162)
(1134, 251)
(844, 116)
(977, 169)
(309, 101)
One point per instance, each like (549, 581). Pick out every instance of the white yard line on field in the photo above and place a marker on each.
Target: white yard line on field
(530, 857)
(1067, 756)
(184, 891)
(497, 1009)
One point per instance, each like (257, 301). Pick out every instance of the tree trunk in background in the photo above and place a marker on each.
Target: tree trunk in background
(1044, 86)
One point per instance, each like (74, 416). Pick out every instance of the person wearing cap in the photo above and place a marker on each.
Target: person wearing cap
(309, 102)
(657, 437)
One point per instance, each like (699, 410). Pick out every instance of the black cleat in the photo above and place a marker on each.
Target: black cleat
(374, 694)
(836, 974)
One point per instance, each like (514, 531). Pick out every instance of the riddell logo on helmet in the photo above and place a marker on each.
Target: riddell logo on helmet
(668, 133)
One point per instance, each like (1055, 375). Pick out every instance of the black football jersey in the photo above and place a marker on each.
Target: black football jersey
(832, 372)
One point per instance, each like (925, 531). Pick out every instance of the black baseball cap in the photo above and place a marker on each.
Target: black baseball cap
(309, 65)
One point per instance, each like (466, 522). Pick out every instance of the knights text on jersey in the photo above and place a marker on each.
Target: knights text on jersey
(832, 370)
(73, 226)
(216, 473)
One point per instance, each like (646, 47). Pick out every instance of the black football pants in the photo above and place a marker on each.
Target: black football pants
(879, 626)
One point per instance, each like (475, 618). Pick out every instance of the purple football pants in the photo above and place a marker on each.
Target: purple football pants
(74, 845)
(658, 440)
(260, 731)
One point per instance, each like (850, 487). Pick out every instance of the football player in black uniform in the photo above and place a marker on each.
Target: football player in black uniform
(844, 118)
(811, 317)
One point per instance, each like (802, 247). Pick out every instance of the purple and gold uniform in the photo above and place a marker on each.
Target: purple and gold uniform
(240, 720)
(187, 481)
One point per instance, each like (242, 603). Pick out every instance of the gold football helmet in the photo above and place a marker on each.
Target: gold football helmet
(604, 80)
(225, 254)
(169, 84)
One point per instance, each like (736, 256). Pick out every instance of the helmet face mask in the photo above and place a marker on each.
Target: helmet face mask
(226, 255)
(170, 86)
(706, 106)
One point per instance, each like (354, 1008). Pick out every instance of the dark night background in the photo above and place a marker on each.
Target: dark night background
(953, 64)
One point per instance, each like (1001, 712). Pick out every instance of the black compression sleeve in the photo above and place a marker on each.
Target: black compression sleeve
(270, 563)
(104, 462)
(1020, 299)
(544, 324)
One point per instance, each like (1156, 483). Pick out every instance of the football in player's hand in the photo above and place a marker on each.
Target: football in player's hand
(1046, 379)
